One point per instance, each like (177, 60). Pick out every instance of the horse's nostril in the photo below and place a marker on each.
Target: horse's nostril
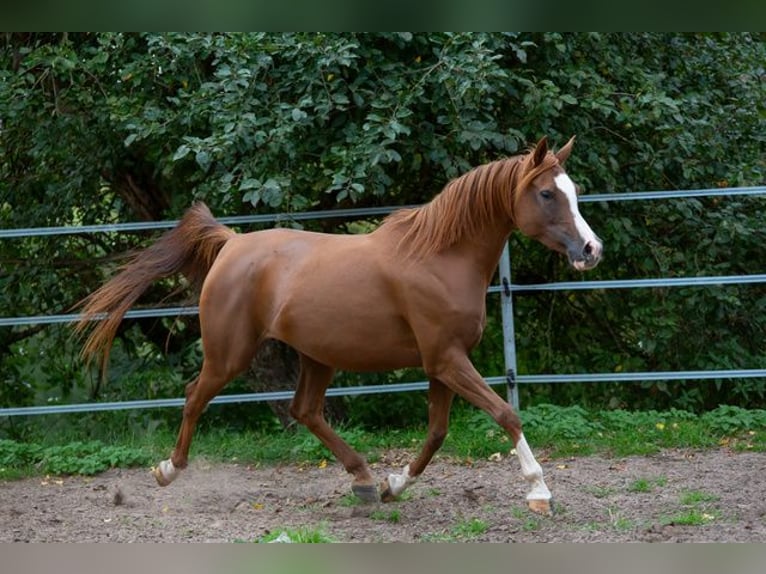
(588, 249)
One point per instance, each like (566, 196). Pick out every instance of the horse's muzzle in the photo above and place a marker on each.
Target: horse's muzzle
(587, 257)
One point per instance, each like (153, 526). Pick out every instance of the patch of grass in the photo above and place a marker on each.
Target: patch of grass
(529, 522)
(699, 509)
(617, 520)
(405, 496)
(349, 500)
(600, 491)
(463, 531)
(640, 485)
(691, 517)
(470, 528)
(697, 497)
(303, 535)
(647, 484)
(392, 516)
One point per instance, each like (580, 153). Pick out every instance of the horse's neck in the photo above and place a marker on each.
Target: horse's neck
(485, 250)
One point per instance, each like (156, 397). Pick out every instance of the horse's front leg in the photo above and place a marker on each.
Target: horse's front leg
(439, 402)
(307, 408)
(455, 370)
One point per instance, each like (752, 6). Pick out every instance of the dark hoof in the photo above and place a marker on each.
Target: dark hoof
(367, 493)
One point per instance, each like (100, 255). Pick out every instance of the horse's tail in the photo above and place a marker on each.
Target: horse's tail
(189, 248)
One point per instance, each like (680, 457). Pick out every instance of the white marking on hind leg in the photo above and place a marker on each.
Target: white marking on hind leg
(397, 483)
(532, 471)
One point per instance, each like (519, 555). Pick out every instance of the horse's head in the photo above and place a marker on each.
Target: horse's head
(545, 207)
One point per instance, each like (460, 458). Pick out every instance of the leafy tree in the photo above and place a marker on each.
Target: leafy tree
(106, 127)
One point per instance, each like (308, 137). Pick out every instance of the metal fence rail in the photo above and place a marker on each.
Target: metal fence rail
(506, 288)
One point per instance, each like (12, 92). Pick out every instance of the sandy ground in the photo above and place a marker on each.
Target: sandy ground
(597, 500)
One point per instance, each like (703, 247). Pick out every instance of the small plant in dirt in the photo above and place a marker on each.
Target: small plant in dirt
(470, 528)
(646, 484)
(600, 491)
(302, 535)
(691, 517)
(617, 520)
(697, 497)
(464, 530)
(393, 516)
(699, 509)
(349, 500)
(640, 485)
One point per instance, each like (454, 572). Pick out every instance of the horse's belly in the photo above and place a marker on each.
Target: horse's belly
(364, 338)
(372, 355)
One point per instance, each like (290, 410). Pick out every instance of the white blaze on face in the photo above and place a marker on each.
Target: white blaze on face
(567, 187)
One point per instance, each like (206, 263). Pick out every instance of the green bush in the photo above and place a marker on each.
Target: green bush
(84, 458)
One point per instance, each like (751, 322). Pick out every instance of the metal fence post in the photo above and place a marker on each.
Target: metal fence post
(509, 337)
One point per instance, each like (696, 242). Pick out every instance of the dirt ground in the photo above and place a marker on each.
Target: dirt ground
(642, 499)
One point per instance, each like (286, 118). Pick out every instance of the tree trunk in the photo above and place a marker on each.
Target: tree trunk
(276, 368)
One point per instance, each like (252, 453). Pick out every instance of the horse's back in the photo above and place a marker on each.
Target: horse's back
(329, 296)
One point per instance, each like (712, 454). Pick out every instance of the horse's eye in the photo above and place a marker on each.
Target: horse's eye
(546, 194)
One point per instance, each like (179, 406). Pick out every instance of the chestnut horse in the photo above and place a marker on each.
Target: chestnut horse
(411, 293)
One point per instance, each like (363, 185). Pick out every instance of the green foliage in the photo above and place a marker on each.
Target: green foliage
(464, 530)
(470, 528)
(698, 509)
(562, 422)
(73, 458)
(471, 437)
(107, 127)
(308, 447)
(697, 497)
(392, 516)
(728, 419)
(690, 517)
(302, 535)
(646, 484)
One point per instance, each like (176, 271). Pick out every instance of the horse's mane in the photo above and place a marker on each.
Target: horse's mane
(467, 204)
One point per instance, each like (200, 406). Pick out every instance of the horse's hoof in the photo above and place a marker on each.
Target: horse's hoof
(541, 506)
(385, 492)
(367, 493)
(159, 477)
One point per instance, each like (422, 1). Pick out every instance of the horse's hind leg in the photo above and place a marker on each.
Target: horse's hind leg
(439, 402)
(307, 408)
(225, 358)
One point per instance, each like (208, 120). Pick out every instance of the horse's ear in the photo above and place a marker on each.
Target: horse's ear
(564, 152)
(541, 149)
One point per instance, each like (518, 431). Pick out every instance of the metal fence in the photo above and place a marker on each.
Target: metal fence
(506, 288)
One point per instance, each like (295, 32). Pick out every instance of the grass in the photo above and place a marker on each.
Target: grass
(303, 535)
(697, 497)
(647, 484)
(392, 516)
(617, 520)
(463, 531)
(560, 431)
(690, 517)
(529, 522)
(698, 509)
